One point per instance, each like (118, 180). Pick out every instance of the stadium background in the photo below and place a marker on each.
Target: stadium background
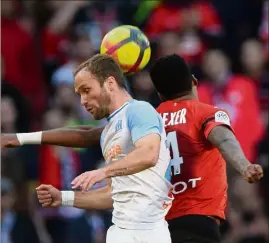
(226, 44)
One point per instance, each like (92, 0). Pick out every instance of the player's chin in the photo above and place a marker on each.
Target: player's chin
(98, 116)
(93, 114)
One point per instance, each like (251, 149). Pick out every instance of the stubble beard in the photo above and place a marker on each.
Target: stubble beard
(103, 111)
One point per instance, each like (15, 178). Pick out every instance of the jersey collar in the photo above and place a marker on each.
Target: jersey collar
(117, 111)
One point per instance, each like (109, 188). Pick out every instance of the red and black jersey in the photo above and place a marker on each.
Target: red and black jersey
(197, 169)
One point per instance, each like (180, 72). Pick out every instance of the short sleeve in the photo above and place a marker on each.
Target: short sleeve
(143, 120)
(215, 117)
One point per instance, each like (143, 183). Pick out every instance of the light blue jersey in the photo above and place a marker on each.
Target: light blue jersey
(140, 200)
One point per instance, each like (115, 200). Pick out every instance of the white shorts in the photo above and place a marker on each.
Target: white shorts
(118, 235)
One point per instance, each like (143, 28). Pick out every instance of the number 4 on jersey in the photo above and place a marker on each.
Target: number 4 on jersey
(176, 160)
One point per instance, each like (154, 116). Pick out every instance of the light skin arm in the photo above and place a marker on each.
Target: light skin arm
(143, 157)
(224, 139)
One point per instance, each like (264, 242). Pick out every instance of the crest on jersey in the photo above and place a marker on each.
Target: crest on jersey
(118, 126)
(223, 117)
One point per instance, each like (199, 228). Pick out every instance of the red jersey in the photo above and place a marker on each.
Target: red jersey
(197, 169)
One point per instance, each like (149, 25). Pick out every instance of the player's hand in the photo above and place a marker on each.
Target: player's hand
(86, 180)
(49, 196)
(9, 141)
(253, 173)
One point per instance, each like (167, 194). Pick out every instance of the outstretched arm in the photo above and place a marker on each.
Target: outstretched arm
(226, 142)
(79, 136)
(95, 199)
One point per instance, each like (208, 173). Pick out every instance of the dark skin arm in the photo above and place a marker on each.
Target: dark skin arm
(100, 198)
(78, 136)
(224, 139)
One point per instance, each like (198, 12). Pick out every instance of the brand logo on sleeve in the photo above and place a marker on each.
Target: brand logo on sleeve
(222, 117)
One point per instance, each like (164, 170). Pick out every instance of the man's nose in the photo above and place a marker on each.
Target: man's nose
(83, 101)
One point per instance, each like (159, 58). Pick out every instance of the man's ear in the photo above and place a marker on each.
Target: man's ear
(110, 83)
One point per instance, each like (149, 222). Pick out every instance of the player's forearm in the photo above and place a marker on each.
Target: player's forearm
(95, 199)
(138, 160)
(72, 137)
(80, 136)
(229, 147)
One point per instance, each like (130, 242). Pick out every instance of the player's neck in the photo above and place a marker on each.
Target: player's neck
(118, 100)
(187, 97)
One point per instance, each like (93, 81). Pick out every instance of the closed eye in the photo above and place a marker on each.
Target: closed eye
(87, 90)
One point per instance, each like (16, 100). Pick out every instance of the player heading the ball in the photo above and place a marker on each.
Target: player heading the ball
(135, 150)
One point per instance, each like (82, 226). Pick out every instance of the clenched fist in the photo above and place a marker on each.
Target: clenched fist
(253, 173)
(9, 141)
(49, 196)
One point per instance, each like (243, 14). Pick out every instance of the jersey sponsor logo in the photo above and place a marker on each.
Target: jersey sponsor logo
(118, 126)
(221, 116)
(181, 186)
(113, 153)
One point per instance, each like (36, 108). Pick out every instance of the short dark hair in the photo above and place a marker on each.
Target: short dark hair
(103, 66)
(171, 76)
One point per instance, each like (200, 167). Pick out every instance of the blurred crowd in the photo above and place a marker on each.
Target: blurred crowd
(226, 45)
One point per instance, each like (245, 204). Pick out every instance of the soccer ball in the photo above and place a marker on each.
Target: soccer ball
(129, 46)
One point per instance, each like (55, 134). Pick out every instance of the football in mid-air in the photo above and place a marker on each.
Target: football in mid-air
(129, 46)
